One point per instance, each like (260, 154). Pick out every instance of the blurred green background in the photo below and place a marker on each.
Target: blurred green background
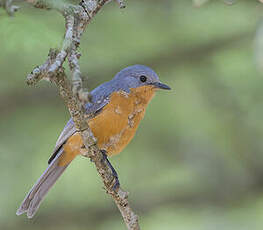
(196, 162)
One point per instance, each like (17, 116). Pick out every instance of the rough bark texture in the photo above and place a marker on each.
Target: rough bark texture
(77, 18)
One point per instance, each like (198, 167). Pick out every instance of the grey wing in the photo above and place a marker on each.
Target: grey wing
(69, 129)
(67, 132)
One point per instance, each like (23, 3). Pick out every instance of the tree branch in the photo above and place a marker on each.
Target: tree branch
(77, 18)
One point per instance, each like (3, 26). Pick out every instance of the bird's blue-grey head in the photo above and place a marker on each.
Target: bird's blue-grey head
(139, 75)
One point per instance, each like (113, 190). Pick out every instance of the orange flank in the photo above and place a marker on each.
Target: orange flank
(71, 149)
(116, 125)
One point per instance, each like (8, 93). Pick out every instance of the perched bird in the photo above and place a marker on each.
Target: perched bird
(117, 107)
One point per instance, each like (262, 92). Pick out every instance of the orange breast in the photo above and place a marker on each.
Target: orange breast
(115, 126)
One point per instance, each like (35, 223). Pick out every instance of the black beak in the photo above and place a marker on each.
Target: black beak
(161, 86)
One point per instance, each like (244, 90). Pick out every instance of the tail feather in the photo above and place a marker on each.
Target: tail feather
(35, 196)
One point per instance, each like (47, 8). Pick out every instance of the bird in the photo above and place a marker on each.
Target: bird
(116, 109)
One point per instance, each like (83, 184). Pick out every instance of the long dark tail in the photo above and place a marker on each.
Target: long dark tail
(33, 199)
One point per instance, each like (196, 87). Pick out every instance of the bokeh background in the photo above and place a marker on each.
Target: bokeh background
(197, 159)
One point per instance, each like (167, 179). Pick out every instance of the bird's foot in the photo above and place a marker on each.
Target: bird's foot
(114, 173)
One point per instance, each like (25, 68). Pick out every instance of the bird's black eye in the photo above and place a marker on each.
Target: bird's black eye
(143, 78)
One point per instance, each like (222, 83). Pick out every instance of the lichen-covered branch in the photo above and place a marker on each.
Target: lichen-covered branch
(71, 90)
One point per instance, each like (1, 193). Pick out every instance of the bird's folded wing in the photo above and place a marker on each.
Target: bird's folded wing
(67, 132)
(92, 109)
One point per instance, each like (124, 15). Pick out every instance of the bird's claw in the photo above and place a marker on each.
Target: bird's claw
(116, 185)
(116, 181)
